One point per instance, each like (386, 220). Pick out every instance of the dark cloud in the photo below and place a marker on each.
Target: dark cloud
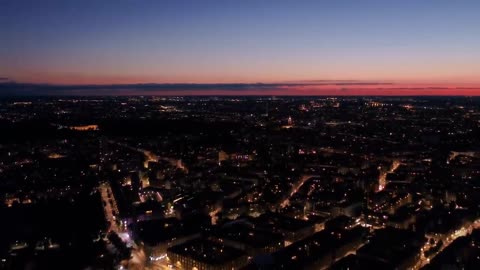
(11, 88)
(338, 82)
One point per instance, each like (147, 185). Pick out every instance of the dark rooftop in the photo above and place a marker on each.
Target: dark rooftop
(352, 262)
(207, 251)
(153, 232)
(281, 222)
(250, 237)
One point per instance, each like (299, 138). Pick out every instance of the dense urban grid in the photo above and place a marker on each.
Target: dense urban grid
(240, 183)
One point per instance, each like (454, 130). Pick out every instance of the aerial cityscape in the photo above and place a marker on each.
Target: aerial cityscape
(239, 135)
(240, 182)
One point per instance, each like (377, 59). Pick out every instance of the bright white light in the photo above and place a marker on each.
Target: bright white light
(161, 257)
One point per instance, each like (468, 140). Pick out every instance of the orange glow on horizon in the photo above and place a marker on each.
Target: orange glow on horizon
(284, 88)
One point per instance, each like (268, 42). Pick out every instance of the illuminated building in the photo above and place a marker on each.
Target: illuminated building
(254, 242)
(84, 128)
(203, 254)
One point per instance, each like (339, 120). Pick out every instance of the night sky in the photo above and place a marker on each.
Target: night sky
(408, 47)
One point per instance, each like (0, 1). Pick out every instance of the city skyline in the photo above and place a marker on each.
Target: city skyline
(260, 183)
(239, 134)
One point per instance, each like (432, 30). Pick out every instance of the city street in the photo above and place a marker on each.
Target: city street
(447, 240)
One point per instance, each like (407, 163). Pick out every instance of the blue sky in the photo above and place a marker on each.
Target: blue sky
(239, 41)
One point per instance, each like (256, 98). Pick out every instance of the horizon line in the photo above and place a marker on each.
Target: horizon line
(293, 88)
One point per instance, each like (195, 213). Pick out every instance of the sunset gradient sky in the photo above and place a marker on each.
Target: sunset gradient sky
(419, 47)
